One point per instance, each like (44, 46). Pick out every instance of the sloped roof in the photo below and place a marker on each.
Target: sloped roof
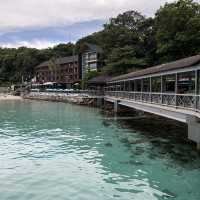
(60, 61)
(99, 79)
(179, 64)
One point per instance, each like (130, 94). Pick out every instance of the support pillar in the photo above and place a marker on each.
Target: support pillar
(198, 146)
(150, 88)
(196, 89)
(194, 130)
(100, 102)
(176, 90)
(116, 106)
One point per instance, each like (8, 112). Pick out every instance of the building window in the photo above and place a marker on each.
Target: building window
(132, 85)
(186, 83)
(146, 85)
(92, 56)
(169, 83)
(126, 86)
(93, 66)
(138, 85)
(156, 84)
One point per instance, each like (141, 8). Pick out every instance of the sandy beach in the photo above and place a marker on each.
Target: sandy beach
(9, 97)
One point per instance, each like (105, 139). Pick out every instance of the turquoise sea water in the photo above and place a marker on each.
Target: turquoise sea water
(56, 151)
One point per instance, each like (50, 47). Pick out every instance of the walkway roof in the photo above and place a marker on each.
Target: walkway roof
(102, 79)
(179, 64)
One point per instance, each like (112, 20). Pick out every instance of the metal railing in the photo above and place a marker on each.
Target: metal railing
(186, 101)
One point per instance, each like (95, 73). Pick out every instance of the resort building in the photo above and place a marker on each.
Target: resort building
(90, 58)
(69, 71)
(65, 71)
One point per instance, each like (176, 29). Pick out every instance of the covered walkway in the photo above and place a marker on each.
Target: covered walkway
(171, 90)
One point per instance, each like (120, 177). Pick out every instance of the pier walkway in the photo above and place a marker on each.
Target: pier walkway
(170, 90)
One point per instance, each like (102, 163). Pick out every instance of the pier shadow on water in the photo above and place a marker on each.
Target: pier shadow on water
(157, 138)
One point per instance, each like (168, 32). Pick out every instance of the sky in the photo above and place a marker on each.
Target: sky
(45, 23)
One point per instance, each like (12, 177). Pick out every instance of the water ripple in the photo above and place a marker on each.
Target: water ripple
(72, 152)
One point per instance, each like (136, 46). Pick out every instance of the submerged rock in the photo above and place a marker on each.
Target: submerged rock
(138, 151)
(124, 140)
(105, 123)
(169, 193)
(108, 144)
(131, 162)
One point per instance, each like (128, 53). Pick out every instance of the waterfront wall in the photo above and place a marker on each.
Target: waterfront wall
(4, 89)
(80, 99)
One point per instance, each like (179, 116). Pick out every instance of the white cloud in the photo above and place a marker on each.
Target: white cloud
(31, 13)
(39, 44)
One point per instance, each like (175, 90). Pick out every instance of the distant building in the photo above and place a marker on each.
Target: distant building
(70, 70)
(64, 71)
(90, 58)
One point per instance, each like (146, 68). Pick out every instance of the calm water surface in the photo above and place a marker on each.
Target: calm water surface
(55, 151)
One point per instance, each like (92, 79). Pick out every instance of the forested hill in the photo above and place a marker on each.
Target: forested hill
(15, 63)
(130, 41)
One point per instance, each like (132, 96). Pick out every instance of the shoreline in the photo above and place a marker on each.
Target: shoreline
(4, 97)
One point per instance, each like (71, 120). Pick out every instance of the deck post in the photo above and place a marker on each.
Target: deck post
(161, 89)
(116, 106)
(193, 130)
(198, 146)
(176, 90)
(134, 90)
(196, 89)
(99, 102)
(150, 90)
(129, 89)
(142, 83)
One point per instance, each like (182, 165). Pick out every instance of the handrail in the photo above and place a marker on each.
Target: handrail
(186, 101)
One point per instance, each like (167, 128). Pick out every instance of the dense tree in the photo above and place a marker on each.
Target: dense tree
(123, 59)
(16, 64)
(178, 30)
(129, 41)
(63, 50)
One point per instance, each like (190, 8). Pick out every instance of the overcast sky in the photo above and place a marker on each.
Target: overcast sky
(43, 23)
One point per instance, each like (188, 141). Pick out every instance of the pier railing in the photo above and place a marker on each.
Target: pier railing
(186, 101)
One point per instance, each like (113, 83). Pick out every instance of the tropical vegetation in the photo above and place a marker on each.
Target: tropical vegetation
(130, 41)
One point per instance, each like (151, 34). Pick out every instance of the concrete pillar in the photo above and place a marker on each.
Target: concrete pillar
(116, 106)
(176, 90)
(198, 146)
(100, 102)
(194, 130)
(196, 89)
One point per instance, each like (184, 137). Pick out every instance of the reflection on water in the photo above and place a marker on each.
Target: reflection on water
(60, 151)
